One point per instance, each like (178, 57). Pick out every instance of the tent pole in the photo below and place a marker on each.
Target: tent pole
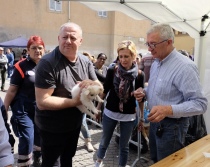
(139, 157)
(201, 60)
(69, 12)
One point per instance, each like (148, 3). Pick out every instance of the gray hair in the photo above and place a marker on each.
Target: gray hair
(165, 31)
(71, 24)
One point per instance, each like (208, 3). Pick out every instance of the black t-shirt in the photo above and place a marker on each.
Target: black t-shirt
(113, 99)
(55, 71)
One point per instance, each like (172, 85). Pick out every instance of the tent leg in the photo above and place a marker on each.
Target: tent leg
(139, 157)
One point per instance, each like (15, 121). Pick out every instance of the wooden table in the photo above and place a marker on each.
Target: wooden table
(189, 156)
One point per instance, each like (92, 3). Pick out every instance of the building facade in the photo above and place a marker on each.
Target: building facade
(102, 30)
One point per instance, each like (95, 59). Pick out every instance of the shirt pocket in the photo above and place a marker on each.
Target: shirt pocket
(162, 87)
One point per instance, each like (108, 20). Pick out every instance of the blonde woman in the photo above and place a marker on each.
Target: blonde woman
(121, 80)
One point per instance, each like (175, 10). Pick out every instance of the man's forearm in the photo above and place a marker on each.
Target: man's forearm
(56, 103)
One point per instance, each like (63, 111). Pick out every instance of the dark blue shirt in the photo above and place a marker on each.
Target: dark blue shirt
(26, 84)
(10, 58)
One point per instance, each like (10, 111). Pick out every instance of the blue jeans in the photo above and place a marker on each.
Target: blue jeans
(125, 134)
(172, 140)
(9, 71)
(22, 120)
(84, 128)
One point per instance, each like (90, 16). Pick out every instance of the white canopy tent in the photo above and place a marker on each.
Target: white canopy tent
(191, 16)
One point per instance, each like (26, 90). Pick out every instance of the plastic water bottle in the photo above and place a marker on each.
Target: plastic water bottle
(146, 112)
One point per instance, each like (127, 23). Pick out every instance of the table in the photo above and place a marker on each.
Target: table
(189, 156)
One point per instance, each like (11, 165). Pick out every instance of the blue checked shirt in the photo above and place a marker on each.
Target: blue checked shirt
(175, 81)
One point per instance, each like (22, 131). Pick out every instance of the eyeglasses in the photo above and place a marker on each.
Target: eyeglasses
(124, 44)
(153, 45)
(35, 48)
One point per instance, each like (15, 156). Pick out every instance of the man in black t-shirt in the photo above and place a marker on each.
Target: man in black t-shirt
(57, 117)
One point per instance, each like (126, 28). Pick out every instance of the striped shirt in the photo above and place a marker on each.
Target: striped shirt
(175, 81)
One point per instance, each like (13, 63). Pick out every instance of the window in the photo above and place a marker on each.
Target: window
(102, 13)
(55, 5)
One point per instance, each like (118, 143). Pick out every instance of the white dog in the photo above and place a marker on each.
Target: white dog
(86, 97)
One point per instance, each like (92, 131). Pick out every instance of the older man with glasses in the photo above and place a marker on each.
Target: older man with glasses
(174, 93)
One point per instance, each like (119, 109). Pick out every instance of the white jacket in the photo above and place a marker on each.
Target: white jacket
(3, 60)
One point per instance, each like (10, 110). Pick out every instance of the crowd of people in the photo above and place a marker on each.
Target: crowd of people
(45, 117)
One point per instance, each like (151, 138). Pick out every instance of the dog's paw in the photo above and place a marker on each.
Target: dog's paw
(93, 117)
(99, 111)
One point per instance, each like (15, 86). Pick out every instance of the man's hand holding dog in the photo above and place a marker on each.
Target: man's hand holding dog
(84, 84)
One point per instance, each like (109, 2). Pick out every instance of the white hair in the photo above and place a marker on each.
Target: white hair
(71, 24)
(165, 31)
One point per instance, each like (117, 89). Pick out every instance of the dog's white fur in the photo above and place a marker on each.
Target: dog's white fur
(86, 97)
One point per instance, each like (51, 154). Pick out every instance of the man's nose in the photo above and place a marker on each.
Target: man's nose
(69, 40)
(149, 48)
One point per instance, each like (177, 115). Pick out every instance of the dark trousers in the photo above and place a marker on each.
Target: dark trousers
(3, 76)
(22, 120)
(58, 147)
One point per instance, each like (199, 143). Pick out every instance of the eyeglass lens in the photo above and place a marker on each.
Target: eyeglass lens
(152, 46)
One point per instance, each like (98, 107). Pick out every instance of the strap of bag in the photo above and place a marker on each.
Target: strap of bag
(76, 77)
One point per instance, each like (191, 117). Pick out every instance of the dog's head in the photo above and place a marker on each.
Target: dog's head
(92, 91)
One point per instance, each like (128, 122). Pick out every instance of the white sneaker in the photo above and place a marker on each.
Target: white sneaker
(89, 146)
(98, 164)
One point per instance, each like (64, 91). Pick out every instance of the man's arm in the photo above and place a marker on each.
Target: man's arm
(45, 100)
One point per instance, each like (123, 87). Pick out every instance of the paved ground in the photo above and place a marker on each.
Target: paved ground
(85, 159)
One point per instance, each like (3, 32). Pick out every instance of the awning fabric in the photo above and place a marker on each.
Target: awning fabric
(191, 16)
(19, 42)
